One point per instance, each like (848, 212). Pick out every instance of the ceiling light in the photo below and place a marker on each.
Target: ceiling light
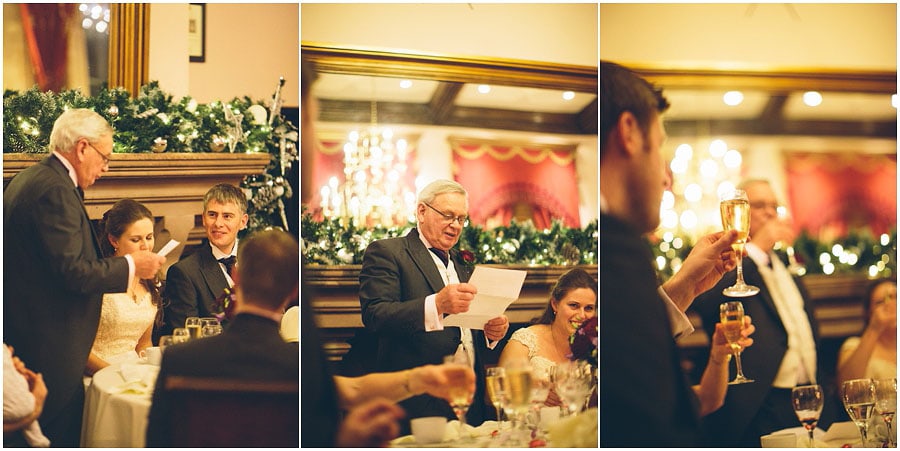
(568, 95)
(484, 89)
(733, 98)
(812, 98)
(717, 148)
(894, 100)
(405, 84)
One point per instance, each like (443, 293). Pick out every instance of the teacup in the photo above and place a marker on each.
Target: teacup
(152, 355)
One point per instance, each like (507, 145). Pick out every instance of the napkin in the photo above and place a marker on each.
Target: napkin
(451, 433)
(139, 379)
(579, 431)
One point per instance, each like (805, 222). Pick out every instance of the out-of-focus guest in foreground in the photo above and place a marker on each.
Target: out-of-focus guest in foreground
(54, 276)
(24, 393)
(874, 353)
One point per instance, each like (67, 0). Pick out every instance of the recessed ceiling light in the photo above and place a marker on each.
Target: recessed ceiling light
(405, 84)
(484, 89)
(568, 95)
(812, 98)
(733, 98)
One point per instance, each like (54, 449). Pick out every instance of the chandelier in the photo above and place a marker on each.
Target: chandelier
(374, 190)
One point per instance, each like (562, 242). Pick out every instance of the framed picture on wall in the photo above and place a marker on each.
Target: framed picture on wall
(197, 32)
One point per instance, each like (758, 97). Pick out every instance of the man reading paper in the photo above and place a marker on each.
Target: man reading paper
(407, 286)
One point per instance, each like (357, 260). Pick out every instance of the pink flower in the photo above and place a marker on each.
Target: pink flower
(583, 342)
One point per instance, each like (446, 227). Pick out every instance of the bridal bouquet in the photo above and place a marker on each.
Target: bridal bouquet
(583, 342)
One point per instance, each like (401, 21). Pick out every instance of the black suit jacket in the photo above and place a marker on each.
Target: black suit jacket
(192, 286)
(397, 274)
(250, 348)
(760, 362)
(645, 396)
(53, 282)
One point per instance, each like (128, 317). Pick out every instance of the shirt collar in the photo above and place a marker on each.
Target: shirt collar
(760, 257)
(71, 169)
(217, 254)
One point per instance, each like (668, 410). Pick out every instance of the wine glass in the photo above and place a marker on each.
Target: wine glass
(794, 267)
(735, 210)
(858, 396)
(495, 381)
(731, 315)
(808, 401)
(210, 330)
(180, 335)
(540, 389)
(574, 383)
(460, 396)
(192, 324)
(886, 404)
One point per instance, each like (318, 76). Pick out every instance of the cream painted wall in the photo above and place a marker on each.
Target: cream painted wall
(762, 36)
(248, 46)
(168, 61)
(560, 33)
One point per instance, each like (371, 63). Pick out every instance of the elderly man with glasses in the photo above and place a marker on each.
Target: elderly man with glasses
(406, 287)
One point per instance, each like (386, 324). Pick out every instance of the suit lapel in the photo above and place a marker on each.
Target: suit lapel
(59, 168)
(422, 258)
(212, 273)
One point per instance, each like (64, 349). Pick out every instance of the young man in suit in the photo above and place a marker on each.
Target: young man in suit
(251, 347)
(195, 282)
(54, 276)
(407, 285)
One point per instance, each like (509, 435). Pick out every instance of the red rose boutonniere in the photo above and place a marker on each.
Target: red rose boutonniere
(467, 257)
(225, 304)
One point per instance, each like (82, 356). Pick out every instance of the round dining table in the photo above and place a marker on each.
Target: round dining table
(116, 406)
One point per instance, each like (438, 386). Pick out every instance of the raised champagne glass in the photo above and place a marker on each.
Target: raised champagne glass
(858, 396)
(731, 315)
(735, 210)
(808, 402)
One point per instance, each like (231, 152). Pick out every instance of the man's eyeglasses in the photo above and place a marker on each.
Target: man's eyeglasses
(764, 205)
(102, 155)
(448, 218)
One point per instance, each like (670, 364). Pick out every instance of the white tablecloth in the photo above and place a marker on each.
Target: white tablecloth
(116, 406)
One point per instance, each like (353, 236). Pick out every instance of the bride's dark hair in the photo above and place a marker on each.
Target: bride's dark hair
(114, 223)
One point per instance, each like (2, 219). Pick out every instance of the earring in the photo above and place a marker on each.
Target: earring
(554, 313)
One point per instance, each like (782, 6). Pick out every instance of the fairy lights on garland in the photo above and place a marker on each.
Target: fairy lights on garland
(155, 122)
(329, 242)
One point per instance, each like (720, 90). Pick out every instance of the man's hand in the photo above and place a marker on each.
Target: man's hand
(147, 264)
(708, 261)
(496, 328)
(455, 298)
(370, 425)
(771, 232)
(883, 316)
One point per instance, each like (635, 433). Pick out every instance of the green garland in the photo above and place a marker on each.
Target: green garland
(874, 256)
(329, 242)
(152, 118)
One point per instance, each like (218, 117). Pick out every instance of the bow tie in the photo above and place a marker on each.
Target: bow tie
(442, 254)
(228, 262)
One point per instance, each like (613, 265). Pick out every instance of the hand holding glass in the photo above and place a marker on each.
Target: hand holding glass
(808, 401)
(735, 210)
(731, 315)
(858, 396)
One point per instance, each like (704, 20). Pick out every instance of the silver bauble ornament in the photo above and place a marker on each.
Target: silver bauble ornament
(217, 143)
(159, 145)
(113, 111)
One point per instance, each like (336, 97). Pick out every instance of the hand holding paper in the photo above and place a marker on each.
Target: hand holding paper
(497, 288)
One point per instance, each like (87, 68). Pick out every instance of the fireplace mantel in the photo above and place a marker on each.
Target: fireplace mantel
(171, 185)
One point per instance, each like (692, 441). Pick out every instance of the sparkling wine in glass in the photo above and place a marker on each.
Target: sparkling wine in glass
(735, 210)
(460, 396)
(858, 396)
(518, 394)
(731, 315)
(495, 381)
(808, 401)
(886, 404)
(192, 324)
(794, 267)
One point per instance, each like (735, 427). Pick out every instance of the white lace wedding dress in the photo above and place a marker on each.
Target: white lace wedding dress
(123, 322)
(526, 336)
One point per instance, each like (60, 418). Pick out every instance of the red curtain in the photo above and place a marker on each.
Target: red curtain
(47, 37)
(833, 193)
(536, 182)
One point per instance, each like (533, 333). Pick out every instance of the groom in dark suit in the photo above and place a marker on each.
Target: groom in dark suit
(408, 284)
(194, 283)
(54, 276)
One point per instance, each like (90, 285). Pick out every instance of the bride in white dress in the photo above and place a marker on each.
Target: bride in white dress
(126, 319)
(545, 343)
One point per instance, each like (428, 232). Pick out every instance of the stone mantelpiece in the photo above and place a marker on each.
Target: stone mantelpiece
(171, 185)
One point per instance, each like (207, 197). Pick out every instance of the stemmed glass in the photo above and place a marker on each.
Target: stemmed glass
(574, 383)
(540, 389)
(518, 394)
(794, 267)
(808, 401)
(858, 396)
(495, 381)
(460, 396)
(886, 404)
(731, 315)
(735, 210)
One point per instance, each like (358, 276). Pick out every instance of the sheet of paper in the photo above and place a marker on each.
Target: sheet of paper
(497, 288)
(172, 244)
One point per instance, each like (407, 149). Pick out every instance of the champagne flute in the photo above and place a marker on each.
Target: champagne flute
(460, 396)
(886, 404)
(858, 396)
(731, 315)
(518, 393)
(808, 401)
(495, 381)
(794, 267)
(192, 324)
(735, 210)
